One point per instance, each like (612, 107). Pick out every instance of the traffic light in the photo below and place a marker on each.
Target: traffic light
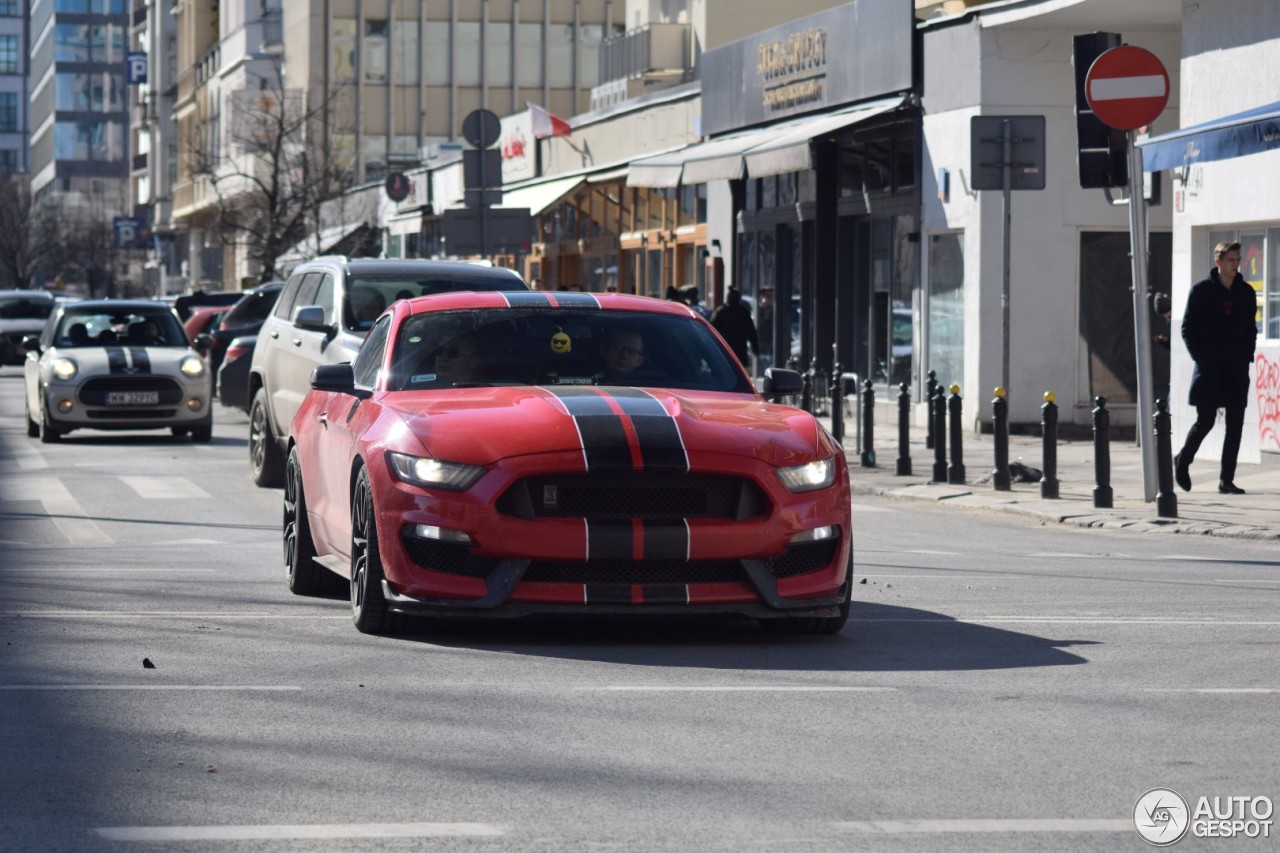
(1102, 156)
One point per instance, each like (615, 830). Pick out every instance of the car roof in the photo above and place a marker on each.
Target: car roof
(103, 305)
(465, 299)
(38, 294)
(410, 266)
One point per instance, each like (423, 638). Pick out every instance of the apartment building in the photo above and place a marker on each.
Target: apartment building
(14, 125)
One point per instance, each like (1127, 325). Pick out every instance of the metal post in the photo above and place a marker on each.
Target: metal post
(1166, 500)
(1000, 431)
(955, 470)
(904, 431)
(1007, 172)
(930, 388)
(868, 425)
(1101, 454)
(939, 418)
(806, 395)
(1049, 425)
(1141, 319)
(837, 402)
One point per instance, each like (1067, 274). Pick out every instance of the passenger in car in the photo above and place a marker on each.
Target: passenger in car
(78, 335)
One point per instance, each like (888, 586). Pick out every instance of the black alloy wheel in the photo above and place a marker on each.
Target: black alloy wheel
(306, 577)
(369, 608)
(266, 462)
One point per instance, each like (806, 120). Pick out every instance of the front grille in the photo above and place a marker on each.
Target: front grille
(803, 558)
(448, 557)
(634, 494)
(630, 571)
(94, 392)
(126, 414)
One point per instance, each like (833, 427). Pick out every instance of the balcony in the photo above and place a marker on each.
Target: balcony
(651, 52)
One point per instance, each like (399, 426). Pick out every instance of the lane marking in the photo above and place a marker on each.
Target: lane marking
(780, 688)
(954, 577)
(1244, 580)
(66, 513)
(927, 551)
(905, 827)
(286, 831)
(28, 458)
(1260, 690)
(258, 688)
(164, 488)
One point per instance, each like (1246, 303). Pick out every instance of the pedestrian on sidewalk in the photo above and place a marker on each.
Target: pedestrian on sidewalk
(733, 321)
(1220, 332)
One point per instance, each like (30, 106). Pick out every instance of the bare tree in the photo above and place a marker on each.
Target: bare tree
(270, 171)
(29, 237)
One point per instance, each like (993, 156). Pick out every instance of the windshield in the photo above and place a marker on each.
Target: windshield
(521, 346)
(127, 328)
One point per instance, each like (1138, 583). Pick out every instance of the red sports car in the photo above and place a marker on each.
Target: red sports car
(505, 454)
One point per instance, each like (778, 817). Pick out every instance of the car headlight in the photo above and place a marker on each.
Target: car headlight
(192, 366)
(810, 476)
(64, 368)
(434, 473)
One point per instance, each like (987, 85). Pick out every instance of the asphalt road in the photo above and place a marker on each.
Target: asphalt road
(1002, 686)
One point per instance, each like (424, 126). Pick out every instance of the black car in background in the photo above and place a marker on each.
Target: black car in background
(244, 318)
(232, 383)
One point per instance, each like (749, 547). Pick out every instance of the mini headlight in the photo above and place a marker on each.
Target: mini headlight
(192, 366)
(434, 473)
(64, 368)
(810, 476)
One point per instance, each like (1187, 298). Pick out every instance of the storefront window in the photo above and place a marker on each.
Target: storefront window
(1272, 328)
(1251, 266)
(946, 307)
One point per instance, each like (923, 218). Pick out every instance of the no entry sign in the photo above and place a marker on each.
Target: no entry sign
(1127, 87)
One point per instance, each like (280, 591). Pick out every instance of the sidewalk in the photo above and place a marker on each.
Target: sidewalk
(1255, 515)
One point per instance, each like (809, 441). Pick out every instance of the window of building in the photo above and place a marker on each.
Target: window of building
(466, 56)
(375, 50)
(71, 6)
(437, 53)
(529, 45)
(8, 54)
(344, 49)
(71, 43)
(10, 8)
(560, 56)
(8, 160)
(589, 54)
(945, 326)
(92, 140)
(404, 61)
(8, 112)
(497, 53)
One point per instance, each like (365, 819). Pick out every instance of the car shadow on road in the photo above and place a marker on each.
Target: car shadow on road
(878, 638)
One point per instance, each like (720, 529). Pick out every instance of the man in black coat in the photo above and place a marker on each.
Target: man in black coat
(733, 321)
(1220, 332)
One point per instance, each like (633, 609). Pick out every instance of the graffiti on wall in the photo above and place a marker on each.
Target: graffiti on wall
(1267, 387)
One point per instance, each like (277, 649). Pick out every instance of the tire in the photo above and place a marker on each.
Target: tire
(48, 433)
(369, 608)
(202, 433)
(33, 428)
(305, 576)
(266, 461)
(177, 432)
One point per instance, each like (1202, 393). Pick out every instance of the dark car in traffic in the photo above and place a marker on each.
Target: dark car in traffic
(243, 318)
(232, 382)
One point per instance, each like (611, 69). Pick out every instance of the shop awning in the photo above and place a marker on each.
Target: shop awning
(538, 197)
(1236, 135)
(721, 159)
(790, 152)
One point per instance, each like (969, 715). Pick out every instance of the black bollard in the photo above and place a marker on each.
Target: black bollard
(806, 393)
(904, 431)
(930, 388)
(1000, 432)
(1101, 454)
(868, 421)
(837, 403)
(1049, 425)
(955, 470)
(1166, 500)
(938, 417)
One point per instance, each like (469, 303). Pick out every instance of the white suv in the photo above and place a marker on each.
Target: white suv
(324, 312)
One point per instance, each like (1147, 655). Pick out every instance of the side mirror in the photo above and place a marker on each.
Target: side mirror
(339, 378)
(203, 343)
(311, 318)
(31, 343)
(780, 381)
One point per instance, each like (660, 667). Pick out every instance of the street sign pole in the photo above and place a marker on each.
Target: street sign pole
(1141, 320)
(1007, 179)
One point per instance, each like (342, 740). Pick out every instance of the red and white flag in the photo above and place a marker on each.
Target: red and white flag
(547, 123)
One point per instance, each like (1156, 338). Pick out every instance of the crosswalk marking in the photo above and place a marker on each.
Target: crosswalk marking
(164, 488)
(65, 512)
(285, 831)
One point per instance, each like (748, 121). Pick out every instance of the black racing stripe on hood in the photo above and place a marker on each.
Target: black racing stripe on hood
(531, 299)
(117, 361)
(660, 443)
(604, 442)
(141, 361)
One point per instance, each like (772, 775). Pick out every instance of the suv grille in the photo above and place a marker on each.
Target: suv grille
(634, 494)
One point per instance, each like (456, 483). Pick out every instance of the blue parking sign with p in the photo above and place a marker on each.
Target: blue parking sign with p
(135, 68)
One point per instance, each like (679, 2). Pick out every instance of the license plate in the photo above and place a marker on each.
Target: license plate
(133, 398)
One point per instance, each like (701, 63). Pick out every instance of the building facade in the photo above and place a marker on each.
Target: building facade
(15, 126)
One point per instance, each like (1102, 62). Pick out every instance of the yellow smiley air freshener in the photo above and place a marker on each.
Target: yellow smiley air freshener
(561, 343)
